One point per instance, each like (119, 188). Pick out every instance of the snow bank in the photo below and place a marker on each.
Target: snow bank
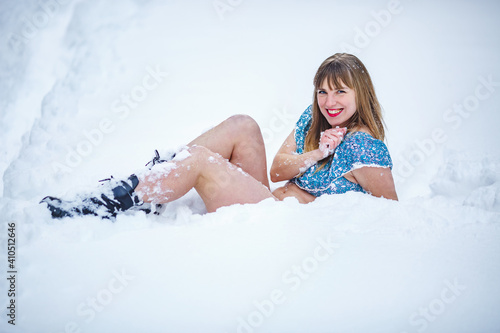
(91, 88)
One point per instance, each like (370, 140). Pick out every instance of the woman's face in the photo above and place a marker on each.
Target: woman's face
(337, 105)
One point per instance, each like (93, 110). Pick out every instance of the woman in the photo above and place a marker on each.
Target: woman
(227, 165)
(344, 104)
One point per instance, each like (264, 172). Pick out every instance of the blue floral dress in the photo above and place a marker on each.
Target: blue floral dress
(357, 150)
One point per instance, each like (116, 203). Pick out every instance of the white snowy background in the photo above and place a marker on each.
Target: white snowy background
(90, 88)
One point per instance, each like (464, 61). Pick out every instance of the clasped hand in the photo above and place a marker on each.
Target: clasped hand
(330, 139)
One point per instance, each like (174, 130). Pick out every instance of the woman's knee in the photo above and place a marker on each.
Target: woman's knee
(243, 124)
(200, 153)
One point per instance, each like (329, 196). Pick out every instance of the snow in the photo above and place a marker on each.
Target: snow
(91, 88)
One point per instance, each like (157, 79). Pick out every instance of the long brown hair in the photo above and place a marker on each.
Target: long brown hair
(347, 69)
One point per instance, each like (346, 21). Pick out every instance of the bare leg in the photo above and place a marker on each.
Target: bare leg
(239, 140)
(226, 165)
(219, 182)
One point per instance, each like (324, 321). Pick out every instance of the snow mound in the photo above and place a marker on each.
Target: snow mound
(474, 181)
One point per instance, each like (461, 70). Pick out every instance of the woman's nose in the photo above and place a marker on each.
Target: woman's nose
(331, 101)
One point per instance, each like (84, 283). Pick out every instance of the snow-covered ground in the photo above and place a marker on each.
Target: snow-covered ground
(90, 88)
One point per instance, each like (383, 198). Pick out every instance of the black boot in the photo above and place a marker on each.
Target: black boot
(115, 196)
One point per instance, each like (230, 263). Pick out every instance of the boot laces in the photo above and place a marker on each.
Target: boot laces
(157, 159)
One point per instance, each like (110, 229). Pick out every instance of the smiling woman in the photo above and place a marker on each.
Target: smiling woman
(336, 147)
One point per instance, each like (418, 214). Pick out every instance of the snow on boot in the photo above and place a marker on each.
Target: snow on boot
(106, 202)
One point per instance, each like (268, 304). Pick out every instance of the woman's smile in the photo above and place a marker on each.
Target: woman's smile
(334, 112)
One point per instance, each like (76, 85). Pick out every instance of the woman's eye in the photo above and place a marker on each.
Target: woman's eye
(341, 91)
(321, 92)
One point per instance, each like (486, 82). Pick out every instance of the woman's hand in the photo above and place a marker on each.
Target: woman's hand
(287, 164)
(330, 139)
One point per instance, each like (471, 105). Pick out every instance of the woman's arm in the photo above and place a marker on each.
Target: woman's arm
(377, 181)
(287, 164)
